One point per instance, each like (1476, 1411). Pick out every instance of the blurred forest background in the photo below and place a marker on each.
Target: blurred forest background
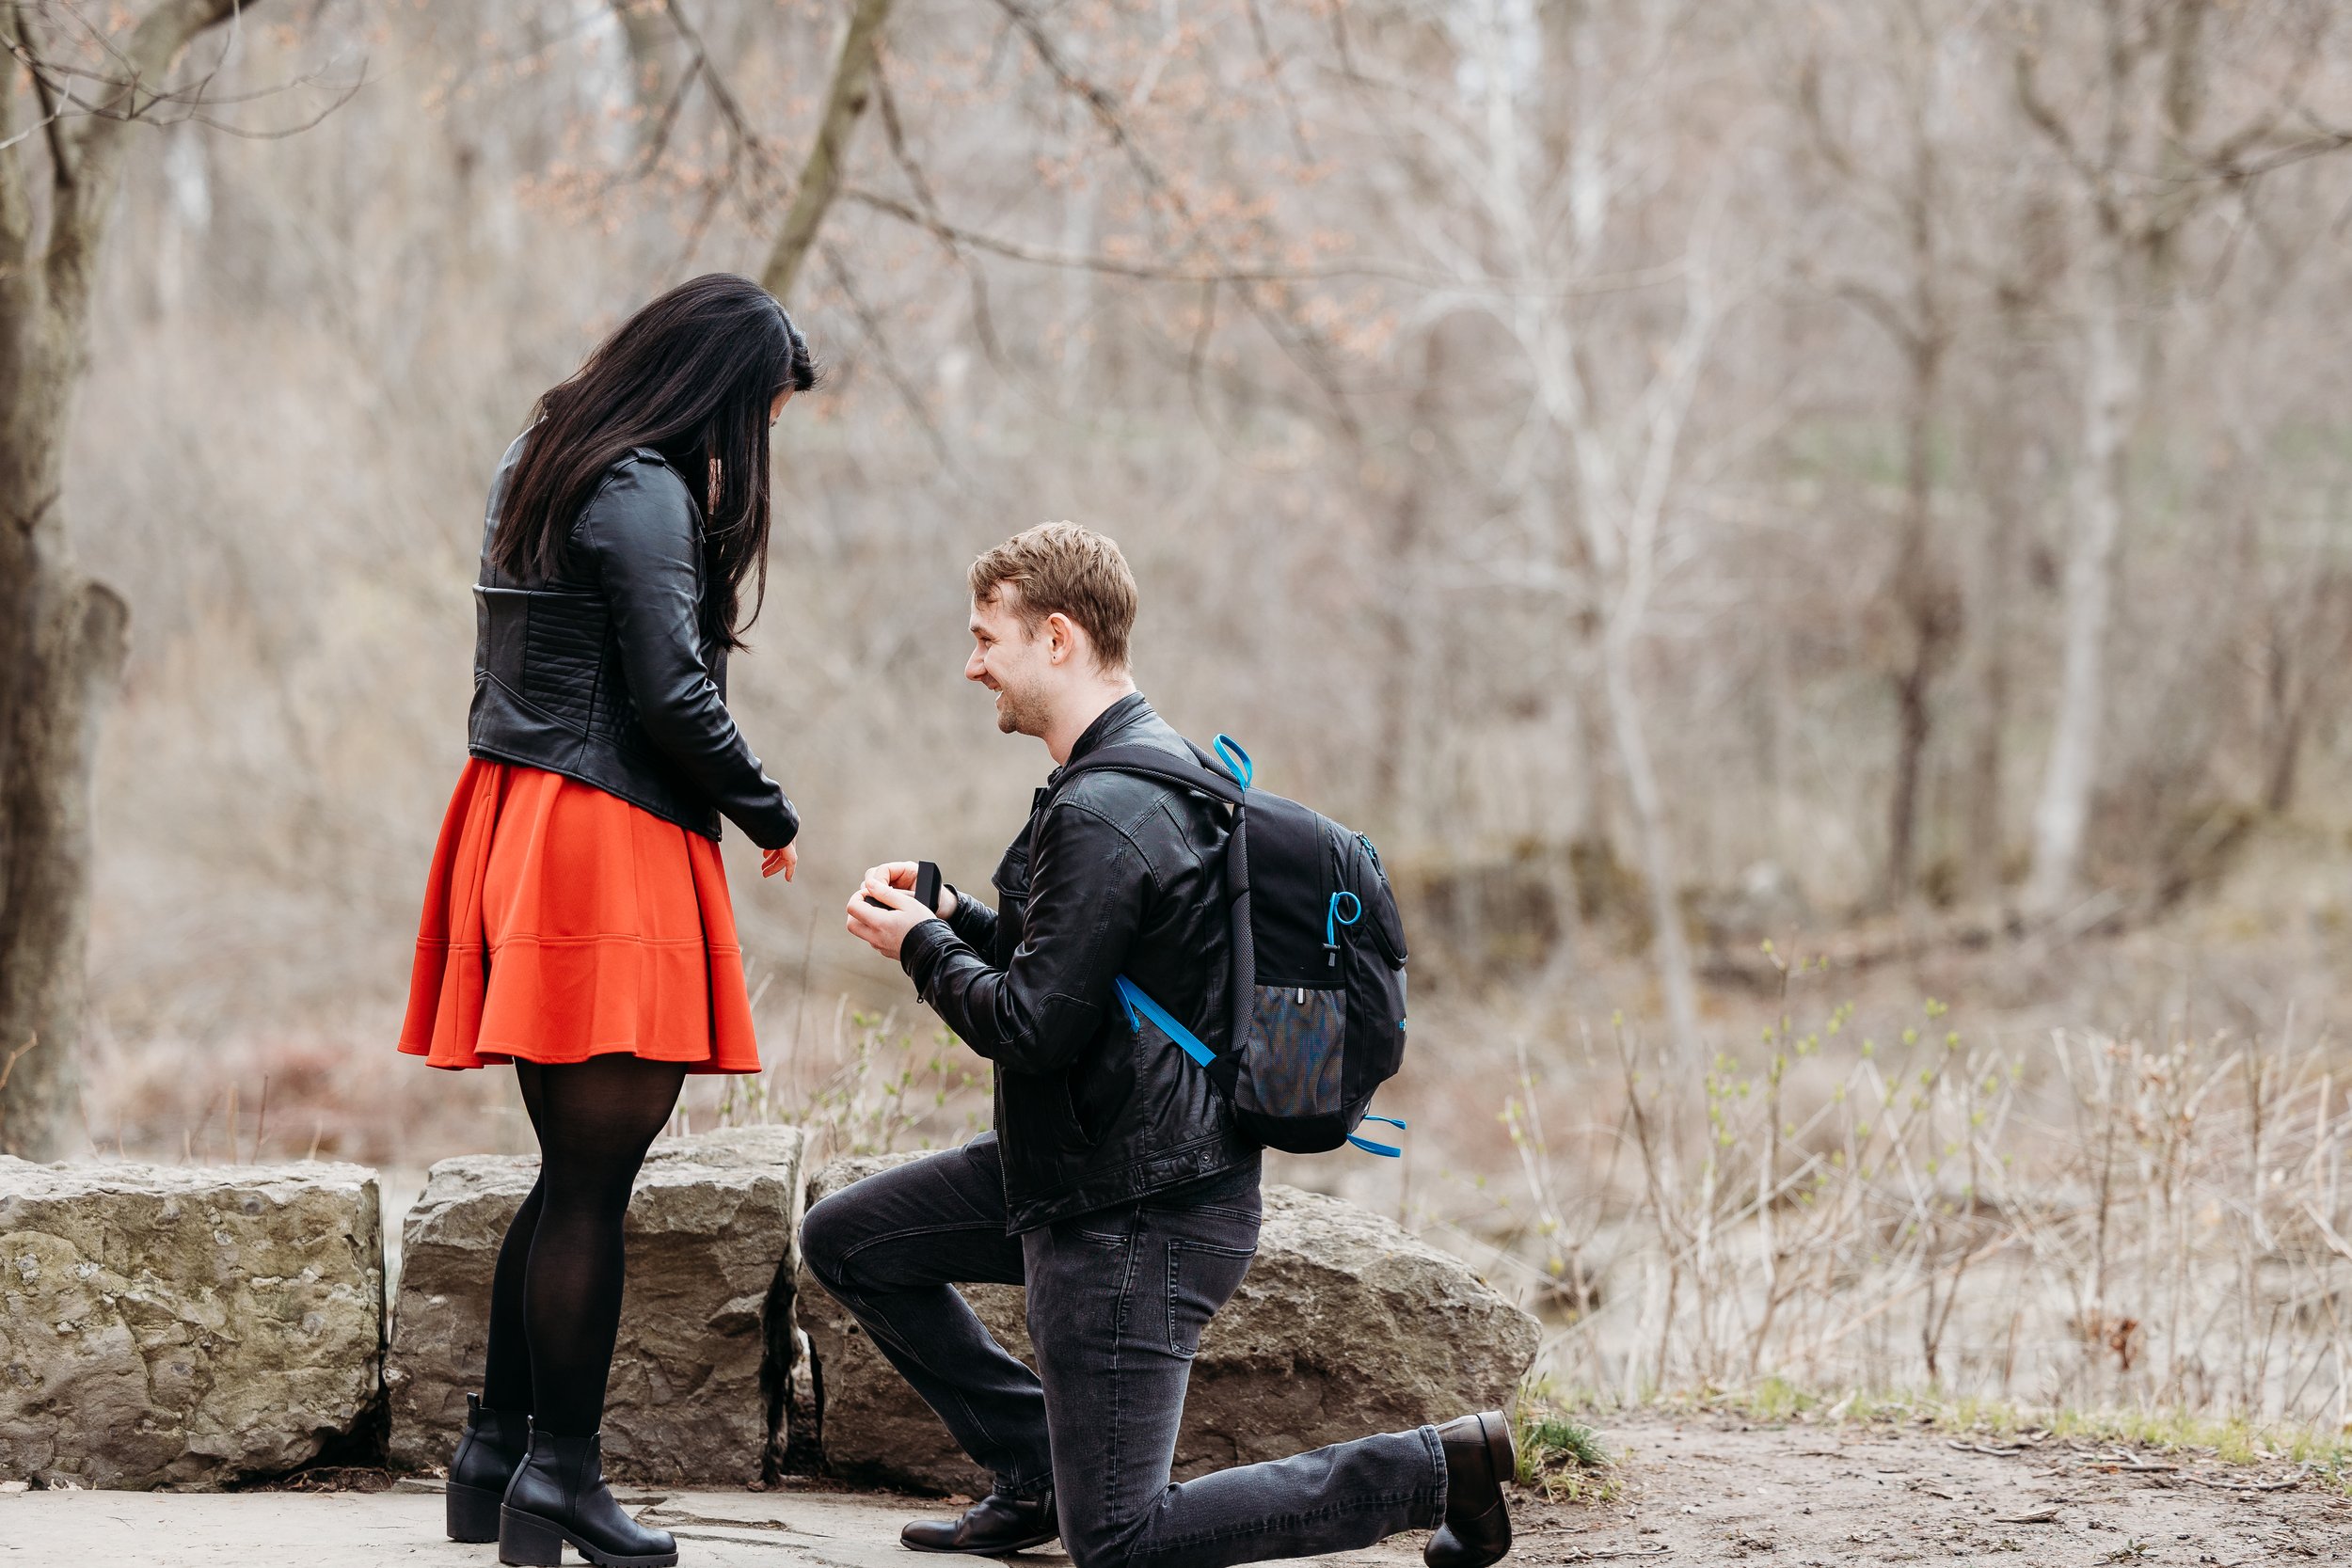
(1788, 522)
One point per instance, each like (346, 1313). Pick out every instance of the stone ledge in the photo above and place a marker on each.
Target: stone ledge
(1346, 1325)
(185, 1328)
(705, 1340)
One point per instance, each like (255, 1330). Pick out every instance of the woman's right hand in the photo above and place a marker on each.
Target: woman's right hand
(786, 860)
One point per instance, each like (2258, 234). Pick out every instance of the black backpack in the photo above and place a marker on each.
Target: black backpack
(1318, 959)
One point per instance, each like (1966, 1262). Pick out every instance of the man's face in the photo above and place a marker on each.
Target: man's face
(1014, 662)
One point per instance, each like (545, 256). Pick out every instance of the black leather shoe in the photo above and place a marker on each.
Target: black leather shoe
(558, 1494)
(990, 1527)
(494, 1443)
(1479, 1459)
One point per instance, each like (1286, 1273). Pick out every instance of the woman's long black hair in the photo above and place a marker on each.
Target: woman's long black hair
(692, 375)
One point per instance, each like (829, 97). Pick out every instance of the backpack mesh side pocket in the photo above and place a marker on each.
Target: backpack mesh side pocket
(1291, 1065)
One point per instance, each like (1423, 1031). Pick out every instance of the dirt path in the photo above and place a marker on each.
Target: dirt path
(1703, 1490)
(1691, 1494)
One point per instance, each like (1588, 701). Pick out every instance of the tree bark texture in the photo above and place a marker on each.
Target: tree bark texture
(62, 635)
(852, 89)
(2112, 384)
(1930, 614)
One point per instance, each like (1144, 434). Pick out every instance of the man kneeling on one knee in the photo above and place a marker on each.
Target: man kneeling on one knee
(1115, 1184)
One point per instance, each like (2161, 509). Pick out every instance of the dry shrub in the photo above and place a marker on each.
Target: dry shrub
(2103, 1220)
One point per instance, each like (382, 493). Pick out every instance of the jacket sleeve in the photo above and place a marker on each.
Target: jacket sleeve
(640, 532)
(975, 921)
(1086, 890)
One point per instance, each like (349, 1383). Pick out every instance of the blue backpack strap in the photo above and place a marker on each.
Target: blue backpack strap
(1138, 1006)
(1212, 776)
(1132, 998)
(1369, 1147)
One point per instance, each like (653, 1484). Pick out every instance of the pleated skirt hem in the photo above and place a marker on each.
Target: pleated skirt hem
(562, 923)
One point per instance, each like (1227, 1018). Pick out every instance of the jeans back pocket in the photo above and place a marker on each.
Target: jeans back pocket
(1200, 1278)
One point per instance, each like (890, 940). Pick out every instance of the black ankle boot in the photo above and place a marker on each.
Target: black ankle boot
(558, 1494)
(990, 1527)
(1478, 1460)
(494, 1443)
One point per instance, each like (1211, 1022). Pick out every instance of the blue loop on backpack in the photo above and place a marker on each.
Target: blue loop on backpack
(1236, 761)
(1371, 1147)
(1392, 1121)
(1333, 920)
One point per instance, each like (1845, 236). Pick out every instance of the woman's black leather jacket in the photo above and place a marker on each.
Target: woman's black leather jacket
(601, 673)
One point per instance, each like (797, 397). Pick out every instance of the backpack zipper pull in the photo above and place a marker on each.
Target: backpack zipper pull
(1333, 920)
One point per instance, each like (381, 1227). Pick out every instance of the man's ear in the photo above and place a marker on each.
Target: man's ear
(1061, 634)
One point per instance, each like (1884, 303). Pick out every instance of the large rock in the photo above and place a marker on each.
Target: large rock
(182, 1326)
(705, 1321)
(1346, 1325)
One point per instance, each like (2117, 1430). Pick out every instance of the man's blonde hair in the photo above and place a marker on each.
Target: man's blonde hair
(1061, 568)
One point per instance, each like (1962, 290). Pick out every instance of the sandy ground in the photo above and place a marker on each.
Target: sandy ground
(1695, 1491)
(1704, 1491)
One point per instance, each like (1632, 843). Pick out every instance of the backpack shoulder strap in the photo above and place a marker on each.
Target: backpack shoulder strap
(1151, 762)
(1204, 773)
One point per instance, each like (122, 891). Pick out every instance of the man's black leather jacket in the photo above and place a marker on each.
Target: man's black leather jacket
(1118, 875)
(602, 672)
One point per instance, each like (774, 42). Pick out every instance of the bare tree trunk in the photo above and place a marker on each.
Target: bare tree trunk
(1401, 614)
(1670, 947)
(654, 59)
(2283, 720)
(1986, 825)
(2111, 389)
(2007, 457)
(828, 151)
(62, 635)
(66, 643)
(1928, 615)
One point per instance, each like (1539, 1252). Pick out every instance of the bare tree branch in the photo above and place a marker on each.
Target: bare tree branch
(828, 151)
(16, 218)
(739, 126)
(892, 371)
(1301, 344)
(1273, 63)
(86, 182)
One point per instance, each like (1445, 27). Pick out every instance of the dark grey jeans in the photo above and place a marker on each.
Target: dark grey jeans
(1116, 1302)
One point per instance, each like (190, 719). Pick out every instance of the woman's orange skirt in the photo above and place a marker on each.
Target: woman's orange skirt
(563, 923)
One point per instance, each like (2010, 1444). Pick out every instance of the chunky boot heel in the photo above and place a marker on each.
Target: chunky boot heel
(1479, 1462)
(473, 1514)
(528, 1541)
(494, 1443)
(558, 1494)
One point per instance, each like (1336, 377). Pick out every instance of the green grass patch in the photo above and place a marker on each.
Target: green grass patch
(1559, 1457)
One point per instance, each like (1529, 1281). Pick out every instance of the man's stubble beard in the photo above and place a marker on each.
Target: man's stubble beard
(1021, 711)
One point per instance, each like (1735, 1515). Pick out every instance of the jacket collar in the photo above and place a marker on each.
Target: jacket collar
(1121, 715)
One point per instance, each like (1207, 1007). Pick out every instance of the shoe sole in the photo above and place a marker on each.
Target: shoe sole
(974, 1551)
(473, 1514)
(528, 1541)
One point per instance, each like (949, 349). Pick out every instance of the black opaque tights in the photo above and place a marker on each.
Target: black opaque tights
(555, 1299)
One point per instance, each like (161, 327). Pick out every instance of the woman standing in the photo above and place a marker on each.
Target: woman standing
(576, 919)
